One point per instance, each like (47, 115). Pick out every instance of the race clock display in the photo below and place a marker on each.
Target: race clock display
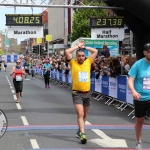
(106, 22)
(23, 19)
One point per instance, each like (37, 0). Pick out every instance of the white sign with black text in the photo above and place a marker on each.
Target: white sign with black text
(108, 33)
(25, 32)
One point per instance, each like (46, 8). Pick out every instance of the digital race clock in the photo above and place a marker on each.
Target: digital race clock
(23, 19)
(106, 22)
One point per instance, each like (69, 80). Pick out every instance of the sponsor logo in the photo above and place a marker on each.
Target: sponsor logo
(24, 32)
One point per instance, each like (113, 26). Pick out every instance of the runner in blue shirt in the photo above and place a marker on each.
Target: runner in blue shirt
(46, 72)
(139, 84)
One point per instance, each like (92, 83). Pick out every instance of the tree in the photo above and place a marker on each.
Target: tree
(19, 49)
(2, 52)
(80, 20)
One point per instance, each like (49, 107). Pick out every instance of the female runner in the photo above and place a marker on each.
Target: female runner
(18, 72)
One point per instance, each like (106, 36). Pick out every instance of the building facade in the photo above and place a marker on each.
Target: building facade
(11, 46)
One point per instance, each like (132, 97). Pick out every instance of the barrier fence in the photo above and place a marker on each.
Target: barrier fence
(10, 58)
(105, 87)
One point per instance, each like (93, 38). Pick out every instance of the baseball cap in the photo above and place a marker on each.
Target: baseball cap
(146, 46)
(47, 61)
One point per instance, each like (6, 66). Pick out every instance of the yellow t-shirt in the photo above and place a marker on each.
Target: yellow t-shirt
(81, 74)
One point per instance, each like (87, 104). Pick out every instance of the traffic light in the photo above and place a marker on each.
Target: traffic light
(46, 48)
(35, 50)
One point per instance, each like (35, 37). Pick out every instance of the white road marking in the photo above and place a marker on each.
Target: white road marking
(34, 143)
(13, 91)
(11, 87)
(10, 84)
(26, 79)
(24, 120)
(106, 141)
(18, 106)
(15, 97)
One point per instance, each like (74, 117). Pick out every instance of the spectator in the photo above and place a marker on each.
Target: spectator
(133, 59)
(126, 66)
(105, 51)
(115, 68)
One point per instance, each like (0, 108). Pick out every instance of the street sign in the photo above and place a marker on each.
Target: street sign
(48, 38)
(39, 40)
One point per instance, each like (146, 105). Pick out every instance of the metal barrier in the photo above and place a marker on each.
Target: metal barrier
(110, 90)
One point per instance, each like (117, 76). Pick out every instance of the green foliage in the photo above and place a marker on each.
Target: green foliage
(80, 20)
(2, 52)
(19, 49)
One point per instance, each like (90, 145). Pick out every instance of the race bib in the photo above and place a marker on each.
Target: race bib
(26, 67)
(18, 78)
(146, 83)
(83, 76)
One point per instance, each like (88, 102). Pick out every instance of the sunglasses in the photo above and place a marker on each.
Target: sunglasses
(18, 62)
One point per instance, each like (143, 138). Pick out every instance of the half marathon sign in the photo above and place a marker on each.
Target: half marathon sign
(25, 32)
(108, 33)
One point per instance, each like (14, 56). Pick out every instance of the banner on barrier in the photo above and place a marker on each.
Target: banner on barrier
(60, 76)
(63, 76)
(105, 85)
(98, 83)
(113, 87)
(70, 78)
(121, 92)
(93, 81)
(129, 97)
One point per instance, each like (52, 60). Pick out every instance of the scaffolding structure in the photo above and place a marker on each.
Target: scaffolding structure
(53, 4)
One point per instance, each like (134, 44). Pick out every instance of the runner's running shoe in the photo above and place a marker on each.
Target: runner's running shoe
(138, 146)
(83, 138)
(78, 134)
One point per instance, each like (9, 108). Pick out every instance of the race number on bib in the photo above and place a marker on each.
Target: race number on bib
(146, 83)
(83, 76)
(18, 78)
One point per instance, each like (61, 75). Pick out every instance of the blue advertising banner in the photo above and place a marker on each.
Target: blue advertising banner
(52, 74)
(67, 78)
(8, 58)
(121, 88)
(93, 81)
(55, 73)
(60, 76)
(105, 85)
(15, 58)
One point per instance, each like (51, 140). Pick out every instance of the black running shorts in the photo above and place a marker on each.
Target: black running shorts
(18, 85)
(83, 98)
(27, 71)
(142, 108)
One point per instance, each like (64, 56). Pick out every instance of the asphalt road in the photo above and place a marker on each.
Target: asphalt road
(51, 113)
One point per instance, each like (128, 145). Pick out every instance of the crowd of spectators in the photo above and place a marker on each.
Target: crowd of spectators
(104, 64)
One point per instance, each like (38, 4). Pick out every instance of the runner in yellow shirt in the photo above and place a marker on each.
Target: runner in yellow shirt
(81, 70)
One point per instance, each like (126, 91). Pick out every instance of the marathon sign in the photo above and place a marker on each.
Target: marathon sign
(25, 32)
(108, 33)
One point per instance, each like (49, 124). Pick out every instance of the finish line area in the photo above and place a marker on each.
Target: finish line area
(73, 127)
